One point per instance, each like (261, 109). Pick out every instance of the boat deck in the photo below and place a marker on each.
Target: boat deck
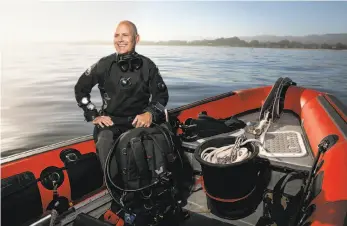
(197, 202)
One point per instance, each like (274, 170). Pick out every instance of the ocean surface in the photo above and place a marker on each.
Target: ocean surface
(38, 106)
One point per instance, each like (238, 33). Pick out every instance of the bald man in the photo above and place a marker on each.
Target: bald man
(127, 81)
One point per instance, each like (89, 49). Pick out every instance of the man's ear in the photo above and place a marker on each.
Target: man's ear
(137, 39)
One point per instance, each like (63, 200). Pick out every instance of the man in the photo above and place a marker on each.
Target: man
(126, 81)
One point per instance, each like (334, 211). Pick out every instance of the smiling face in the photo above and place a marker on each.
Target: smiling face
(125, 38)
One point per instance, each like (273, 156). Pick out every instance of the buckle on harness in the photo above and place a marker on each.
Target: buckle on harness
(146, 196)
(129, 218)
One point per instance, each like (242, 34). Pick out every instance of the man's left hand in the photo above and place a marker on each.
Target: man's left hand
(143, 120)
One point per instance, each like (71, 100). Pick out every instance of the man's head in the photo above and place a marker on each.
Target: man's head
(125, 37)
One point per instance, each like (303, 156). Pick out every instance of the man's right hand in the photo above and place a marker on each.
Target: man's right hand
(103, 121)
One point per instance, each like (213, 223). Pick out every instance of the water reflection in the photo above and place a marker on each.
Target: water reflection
(38, 105)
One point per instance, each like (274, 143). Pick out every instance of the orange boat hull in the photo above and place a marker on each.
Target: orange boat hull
(320, 116)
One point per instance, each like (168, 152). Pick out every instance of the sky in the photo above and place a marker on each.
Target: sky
(48, 20)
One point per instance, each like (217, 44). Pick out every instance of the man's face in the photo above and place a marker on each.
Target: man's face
(124, 40)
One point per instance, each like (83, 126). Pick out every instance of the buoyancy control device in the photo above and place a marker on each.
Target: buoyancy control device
(143, 172)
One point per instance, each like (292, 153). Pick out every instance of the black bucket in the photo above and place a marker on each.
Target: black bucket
(231, 189)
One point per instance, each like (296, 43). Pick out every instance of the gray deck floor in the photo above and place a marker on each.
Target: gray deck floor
(287, 122)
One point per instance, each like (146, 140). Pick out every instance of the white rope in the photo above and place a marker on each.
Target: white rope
(235, 153)
(228, 154)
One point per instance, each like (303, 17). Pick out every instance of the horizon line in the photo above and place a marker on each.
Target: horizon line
(185, 40)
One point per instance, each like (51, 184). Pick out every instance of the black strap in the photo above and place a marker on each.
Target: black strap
(282, 183)
(278, 214)
(110, 157)
(279, 99)
(159, 166)
(170, 155)
(270, 98)
(139, 156)
(275, 100)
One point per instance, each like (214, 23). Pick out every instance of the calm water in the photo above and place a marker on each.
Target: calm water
(37, 96)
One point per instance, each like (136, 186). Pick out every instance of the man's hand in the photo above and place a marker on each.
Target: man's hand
(143, 120)
(103, 121)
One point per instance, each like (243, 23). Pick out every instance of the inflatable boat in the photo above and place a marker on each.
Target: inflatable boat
(300, 178)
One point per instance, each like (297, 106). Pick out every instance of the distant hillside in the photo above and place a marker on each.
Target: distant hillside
(327, 41)
(237, 42)
(330, 39)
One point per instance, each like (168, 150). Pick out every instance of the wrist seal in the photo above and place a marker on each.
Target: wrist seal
(90, 115)
(158, 112)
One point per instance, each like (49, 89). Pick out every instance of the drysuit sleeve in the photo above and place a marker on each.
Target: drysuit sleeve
(83, 88)
(159, 92)
(158, 87)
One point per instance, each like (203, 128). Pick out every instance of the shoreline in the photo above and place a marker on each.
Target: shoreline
(249, 47)
(104, 43)
(222, 46)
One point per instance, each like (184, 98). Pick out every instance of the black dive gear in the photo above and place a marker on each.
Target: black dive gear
(90, 112)
(207, 126)
(130, 61)
(158, 112)
(126, 84)
(144, 174)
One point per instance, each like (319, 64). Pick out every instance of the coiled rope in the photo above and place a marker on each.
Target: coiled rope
(235, 153)
(54, 216)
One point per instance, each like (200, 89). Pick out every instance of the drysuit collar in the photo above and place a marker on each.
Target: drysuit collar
(127, 55)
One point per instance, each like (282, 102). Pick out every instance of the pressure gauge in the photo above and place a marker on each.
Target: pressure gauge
(84, 100)
(90, 106)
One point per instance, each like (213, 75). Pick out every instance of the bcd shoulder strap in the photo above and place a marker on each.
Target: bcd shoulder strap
(279, 206)
(140, 157)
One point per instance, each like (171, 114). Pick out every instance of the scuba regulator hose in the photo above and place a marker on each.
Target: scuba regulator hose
(108, 178)
(155, 210)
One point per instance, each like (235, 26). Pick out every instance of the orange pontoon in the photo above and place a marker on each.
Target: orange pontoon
(308, 116)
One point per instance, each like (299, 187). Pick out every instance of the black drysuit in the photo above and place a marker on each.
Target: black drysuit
(124, 94)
